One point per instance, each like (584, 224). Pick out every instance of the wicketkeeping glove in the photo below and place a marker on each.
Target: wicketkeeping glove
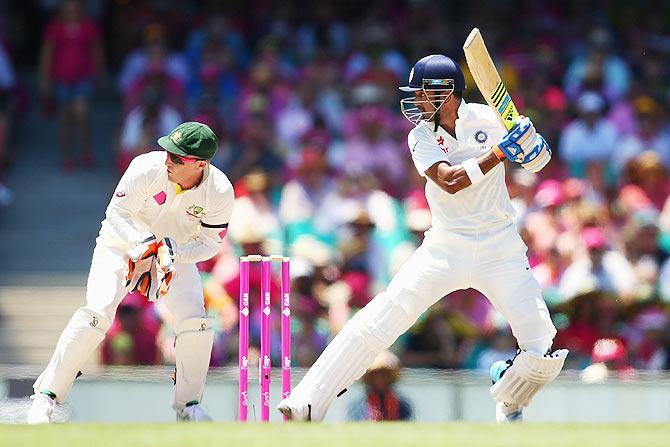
(141, 255)
(165, 268)
(519, 141)
(538, 157)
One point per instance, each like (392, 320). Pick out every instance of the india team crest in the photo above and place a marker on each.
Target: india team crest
(481, 137)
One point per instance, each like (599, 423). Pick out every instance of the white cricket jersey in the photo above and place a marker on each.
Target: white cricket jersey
(146, 202)
(477, 206)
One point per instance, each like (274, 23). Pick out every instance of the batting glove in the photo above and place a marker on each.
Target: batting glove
(538, 157)
(519, 141)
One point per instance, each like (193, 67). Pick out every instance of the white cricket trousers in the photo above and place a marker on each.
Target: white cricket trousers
(491, 260)
(105, 287)
(89, 324)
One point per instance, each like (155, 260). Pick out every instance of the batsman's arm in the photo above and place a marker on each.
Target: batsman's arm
(457, 177)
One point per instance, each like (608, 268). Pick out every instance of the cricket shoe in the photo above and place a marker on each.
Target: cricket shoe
(294, 410)
(508, 413)
(192, 413)
(505, 413)
(41, 410)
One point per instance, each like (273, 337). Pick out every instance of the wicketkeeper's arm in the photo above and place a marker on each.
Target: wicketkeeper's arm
(213, 229)
(127, 200)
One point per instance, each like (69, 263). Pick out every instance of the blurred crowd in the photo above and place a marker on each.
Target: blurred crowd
(304, 99)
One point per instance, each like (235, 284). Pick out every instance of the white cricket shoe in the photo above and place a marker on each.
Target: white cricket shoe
(508, 413)
(294, 410)
(41, 410)
(192, 413)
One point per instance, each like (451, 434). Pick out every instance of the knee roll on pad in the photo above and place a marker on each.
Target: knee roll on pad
(527, 375)
(195, 337)
(198, 324)
(347, 357)
(381, 326)
(82, 335)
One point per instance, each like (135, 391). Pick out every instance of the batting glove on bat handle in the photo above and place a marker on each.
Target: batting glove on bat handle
(518, 141)
(539, 157)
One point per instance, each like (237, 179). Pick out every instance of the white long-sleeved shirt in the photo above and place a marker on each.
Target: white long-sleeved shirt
(478, 206)
(146, 202)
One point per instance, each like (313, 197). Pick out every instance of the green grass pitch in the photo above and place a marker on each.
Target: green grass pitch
(345, 435)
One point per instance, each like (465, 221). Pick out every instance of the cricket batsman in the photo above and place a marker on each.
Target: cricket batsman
(170, 210)
(472, 242)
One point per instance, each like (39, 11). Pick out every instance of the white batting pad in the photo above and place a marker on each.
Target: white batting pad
(373, 329)
(195, 337)
(82, 335)
(527, 375)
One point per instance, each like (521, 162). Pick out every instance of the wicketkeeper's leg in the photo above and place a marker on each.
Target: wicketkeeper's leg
(82, 335)
(88, 325)
(194, 335)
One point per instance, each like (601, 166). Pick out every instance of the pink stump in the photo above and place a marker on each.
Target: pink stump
(265, 362)
(285, 329)
(243, 354)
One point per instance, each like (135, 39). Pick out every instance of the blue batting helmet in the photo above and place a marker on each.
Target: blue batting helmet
(435, 72)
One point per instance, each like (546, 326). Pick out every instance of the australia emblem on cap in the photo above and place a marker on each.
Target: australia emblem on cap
(175, 137)
(481, 136)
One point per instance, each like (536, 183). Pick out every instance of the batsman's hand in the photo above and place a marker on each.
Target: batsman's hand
(519, 141)
(538, 157)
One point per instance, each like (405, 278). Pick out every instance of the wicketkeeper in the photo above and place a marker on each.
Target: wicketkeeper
(170, 210)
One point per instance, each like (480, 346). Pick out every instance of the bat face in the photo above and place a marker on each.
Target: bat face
(488, 80)
(502, 102)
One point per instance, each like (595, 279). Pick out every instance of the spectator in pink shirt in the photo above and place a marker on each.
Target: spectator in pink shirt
(71, 57)
(371, 149)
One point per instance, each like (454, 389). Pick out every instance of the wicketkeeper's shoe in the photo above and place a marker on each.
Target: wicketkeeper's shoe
(192, 413)
(504, 412)
(41, 410)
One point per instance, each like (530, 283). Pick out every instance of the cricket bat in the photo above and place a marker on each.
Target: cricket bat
(488, 80)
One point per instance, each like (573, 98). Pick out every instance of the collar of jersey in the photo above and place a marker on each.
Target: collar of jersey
(205, 174)
(462, 112)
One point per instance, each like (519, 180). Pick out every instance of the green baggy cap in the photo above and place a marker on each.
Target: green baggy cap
(191, 139)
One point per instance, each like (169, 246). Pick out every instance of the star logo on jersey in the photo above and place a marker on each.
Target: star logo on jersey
(440, 140)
